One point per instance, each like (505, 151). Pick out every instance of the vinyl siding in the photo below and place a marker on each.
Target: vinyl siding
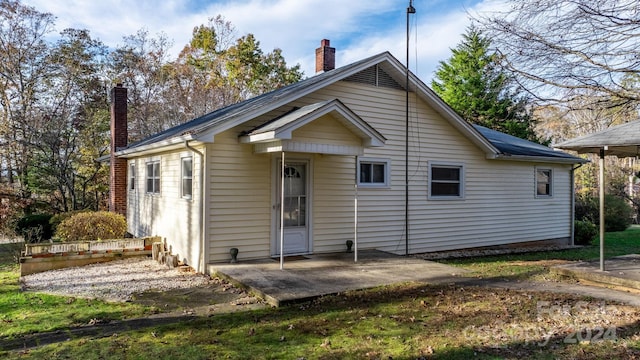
(239, 200)
(168, 214)
(326, 130)
(499, 204)
(333, 202)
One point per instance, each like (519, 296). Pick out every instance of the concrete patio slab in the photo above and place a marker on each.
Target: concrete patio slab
(619, 271)
(309, 277)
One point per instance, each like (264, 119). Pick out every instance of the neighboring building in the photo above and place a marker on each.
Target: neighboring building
(214, 183)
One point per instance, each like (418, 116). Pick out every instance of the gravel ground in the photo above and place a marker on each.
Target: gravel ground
(113, 281)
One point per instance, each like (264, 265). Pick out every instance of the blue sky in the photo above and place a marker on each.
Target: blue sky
(356, 28)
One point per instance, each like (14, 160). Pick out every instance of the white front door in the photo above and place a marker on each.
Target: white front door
(295, 205)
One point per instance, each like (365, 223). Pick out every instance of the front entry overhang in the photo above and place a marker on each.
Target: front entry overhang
(278, 135)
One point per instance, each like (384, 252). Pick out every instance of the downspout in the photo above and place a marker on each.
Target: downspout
(572, 226)
(282, 168)
(203, 172)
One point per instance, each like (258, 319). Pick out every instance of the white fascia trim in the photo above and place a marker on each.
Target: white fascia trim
(349, 118)
(262, 137)
(154, 147)
(539, 159)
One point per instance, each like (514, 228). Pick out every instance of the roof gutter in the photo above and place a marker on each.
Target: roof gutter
(140, 150)
(528, 158)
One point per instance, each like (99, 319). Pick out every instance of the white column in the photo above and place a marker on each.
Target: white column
(282, 212)
(355, 215)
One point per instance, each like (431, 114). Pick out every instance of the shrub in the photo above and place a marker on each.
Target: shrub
(98, 225)
(587, 208)
(34, 228)
(585, 232)
(617, 214)
(59, 218)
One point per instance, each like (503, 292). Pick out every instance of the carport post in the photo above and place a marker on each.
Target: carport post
(282, 213)
(602, 150)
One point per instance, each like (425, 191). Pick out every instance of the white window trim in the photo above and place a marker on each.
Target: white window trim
(387, 172)
(182, 177)
(535, 182)
(147, 177)
(132, 186)
(449, 165)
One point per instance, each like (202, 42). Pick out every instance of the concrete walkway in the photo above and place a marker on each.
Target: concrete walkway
(309, 277)
(619, 271)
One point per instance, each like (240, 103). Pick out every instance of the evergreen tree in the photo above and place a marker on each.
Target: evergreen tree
(473, 84)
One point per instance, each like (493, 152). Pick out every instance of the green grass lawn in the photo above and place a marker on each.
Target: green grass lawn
(535, 265)
(404, 321)
(24, 313)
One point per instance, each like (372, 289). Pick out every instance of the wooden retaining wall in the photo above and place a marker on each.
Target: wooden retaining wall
(44, 257)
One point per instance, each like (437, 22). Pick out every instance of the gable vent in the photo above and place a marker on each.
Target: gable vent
(375, 76)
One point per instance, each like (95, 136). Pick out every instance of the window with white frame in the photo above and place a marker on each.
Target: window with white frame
(446, 181)
(153, 177)
(132, 177)
(373, 172)
(544, 182)
(187, 177)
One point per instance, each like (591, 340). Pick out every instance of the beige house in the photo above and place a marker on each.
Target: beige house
(304, 168)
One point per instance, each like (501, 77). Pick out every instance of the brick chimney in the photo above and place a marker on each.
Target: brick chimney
(119, 140)
(325, 57)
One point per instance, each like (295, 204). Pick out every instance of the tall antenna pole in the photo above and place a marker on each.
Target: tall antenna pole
(410, 10)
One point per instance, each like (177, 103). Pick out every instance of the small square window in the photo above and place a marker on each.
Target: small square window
(373, 172)
(153, 177)
(187, 177)
(446, 181)
(544, 181)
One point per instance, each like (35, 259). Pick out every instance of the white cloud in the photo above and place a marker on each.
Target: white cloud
(357, 28)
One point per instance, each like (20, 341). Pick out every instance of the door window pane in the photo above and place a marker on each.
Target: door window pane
(295, 193)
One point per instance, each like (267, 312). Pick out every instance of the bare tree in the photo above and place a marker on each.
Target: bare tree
(561, 50)
(139, 65)
(23, 69)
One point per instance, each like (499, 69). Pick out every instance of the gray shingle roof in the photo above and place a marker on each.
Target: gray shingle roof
(514, 146)
(621, 140)
(506, 144)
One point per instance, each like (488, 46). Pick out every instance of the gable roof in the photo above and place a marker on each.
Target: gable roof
(229, 116)
(204, 128)
(283, 126)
